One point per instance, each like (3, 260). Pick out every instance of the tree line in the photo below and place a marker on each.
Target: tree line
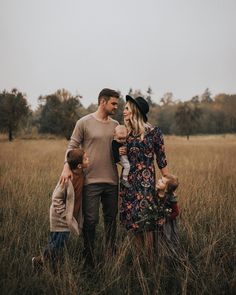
(58, 112)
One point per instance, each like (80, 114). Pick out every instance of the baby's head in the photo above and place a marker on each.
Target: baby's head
(168, 184)
(77, 158)
(120, 133)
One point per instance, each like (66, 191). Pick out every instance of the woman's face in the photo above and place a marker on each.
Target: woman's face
(127, 112)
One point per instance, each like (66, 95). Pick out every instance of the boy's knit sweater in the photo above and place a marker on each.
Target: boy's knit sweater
(66, 209)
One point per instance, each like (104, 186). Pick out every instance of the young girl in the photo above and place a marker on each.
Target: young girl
(65, 210)
(168, 211)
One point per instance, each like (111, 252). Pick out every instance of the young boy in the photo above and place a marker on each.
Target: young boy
(65, 210)
(119, 141)
(168, 208)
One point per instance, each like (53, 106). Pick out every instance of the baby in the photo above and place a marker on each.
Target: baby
(119, 140)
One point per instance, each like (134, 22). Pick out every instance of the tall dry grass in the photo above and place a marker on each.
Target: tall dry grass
(206, 167)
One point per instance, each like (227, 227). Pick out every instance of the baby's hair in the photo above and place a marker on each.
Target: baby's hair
(172, 183)
(75, 157)
(121, 128)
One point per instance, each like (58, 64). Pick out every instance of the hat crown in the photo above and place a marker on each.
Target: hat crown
(141, 103)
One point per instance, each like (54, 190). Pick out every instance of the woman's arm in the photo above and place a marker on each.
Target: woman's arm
(164, 171)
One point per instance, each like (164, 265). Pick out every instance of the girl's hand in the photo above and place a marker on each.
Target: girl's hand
(161, 221)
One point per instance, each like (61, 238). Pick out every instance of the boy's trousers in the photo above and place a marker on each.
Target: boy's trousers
(54, 250)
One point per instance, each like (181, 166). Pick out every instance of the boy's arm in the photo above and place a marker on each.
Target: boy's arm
(59, 198)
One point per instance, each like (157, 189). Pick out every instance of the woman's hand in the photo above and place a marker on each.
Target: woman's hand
(122, 151)
(66, 174)
(161, 221)
(164, 171)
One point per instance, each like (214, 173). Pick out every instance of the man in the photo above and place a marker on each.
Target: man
(94, 133)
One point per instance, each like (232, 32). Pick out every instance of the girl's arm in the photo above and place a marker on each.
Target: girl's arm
(175, 211)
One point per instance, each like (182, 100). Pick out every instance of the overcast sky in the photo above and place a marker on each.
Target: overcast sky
(182, 46)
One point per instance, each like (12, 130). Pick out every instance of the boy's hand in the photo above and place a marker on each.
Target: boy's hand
(122, 151)
(161, 221)
(66, 174)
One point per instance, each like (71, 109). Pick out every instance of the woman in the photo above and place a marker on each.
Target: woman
(138, 201)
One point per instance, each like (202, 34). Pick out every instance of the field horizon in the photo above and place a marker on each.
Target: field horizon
(206, 167)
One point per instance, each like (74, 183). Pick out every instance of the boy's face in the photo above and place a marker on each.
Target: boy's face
(85, 163)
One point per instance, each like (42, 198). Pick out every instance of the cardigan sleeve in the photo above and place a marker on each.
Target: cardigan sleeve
(59, 199)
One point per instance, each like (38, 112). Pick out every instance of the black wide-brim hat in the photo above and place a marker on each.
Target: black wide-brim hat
(141, 104)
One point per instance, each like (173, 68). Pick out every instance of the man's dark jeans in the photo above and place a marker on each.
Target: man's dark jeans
(93, 194)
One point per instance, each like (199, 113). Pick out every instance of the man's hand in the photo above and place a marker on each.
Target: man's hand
(122, 151)
(66, 174)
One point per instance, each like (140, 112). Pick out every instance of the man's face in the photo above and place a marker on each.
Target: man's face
(111, 106)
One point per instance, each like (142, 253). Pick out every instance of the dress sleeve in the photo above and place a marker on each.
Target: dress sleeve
(159, 148)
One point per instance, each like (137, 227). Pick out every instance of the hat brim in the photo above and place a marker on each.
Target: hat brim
(131, 99)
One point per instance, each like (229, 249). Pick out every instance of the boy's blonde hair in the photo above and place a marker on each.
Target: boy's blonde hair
(172, 183)
(75, 157)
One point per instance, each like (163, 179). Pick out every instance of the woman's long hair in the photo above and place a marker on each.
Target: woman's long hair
(136, 123)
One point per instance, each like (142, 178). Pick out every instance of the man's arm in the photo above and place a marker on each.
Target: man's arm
(75, 142)
(66, 174)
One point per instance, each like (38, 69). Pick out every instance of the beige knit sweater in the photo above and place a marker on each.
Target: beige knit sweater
(62, 207)
(96, 138)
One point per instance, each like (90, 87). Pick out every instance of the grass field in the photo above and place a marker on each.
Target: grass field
(206, 166)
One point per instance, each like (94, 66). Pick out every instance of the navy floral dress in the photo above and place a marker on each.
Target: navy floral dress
(138, 206)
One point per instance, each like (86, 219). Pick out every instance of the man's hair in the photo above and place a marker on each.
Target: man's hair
(172, 183)
(75, 157)
(106, 94)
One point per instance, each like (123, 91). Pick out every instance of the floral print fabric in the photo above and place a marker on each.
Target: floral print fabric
(138, 205)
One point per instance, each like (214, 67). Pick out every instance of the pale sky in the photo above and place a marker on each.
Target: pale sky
(181, 46)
